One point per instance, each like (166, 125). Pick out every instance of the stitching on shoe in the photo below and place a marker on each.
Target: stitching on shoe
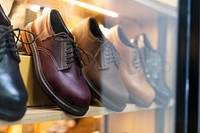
(50, 55)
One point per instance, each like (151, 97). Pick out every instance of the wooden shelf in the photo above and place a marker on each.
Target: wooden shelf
(38, 114)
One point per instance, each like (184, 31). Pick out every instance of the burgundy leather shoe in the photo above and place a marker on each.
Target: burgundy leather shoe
(102, 72)
(57, 63)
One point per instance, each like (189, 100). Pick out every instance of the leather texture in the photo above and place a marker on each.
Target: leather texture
(102, 71)
(13, 95)
(58, 64)
(5, 20)
(131, 69)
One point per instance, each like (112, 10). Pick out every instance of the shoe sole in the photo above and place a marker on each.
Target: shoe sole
(162, 101)
(103, 99)
(139, 102)
(31, 49)
(9, 115)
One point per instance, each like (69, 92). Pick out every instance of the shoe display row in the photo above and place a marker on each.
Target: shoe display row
(131, 69)
(141, 63)
(73, 65)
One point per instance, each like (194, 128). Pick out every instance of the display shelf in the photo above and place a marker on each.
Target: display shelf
(167, 7)
(160, 7)
(42, 114)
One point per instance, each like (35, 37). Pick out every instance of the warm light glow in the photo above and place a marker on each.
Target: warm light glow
(104, 30)
(46, 10)
(35, 8)
(97, 117)
(132, 40)
(93, 8)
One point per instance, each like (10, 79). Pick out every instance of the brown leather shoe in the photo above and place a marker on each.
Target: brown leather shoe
(131, 70)
(58, 63)
(102, 72)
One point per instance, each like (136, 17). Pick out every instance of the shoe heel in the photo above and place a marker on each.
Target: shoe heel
(26, 38)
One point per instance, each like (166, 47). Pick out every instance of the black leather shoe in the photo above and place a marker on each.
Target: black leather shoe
(153, 62)
(13, 95)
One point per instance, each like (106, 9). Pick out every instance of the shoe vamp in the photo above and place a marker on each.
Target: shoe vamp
(137, 85)
(13, 92)
(68, 84)
(108, 82)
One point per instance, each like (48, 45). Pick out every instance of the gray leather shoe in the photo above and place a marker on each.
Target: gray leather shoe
(102, 72)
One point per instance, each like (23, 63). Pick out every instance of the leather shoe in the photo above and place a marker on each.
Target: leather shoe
(153, 63)
(131, 69)
(58, 63)
(102, 72)
(13, 95)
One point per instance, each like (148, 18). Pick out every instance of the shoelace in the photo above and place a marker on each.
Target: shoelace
(110, 53)
(153, 63)
(152, 60)
(72, 50)
(137, 58)
(7, 35)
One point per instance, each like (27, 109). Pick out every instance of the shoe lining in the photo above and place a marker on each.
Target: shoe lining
(94, 28)
(123, 37)
(57, 23)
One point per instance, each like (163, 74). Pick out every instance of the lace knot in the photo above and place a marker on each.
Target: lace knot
(110, 54)
(137, 64)
(72, 53)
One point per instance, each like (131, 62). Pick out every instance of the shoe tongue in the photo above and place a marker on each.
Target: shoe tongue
(94, 28)
(4, 20)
